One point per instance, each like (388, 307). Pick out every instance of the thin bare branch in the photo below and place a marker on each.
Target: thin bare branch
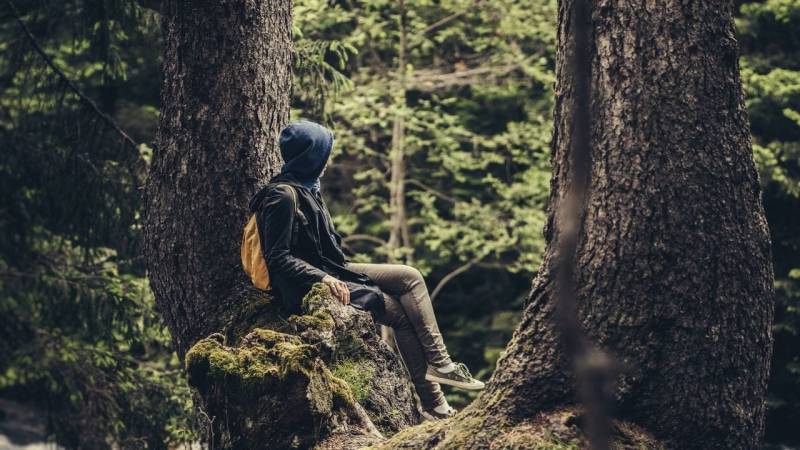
(433, 80)
(433, 191)
(441, 23)
(446, 279)
(72, 86)
(363, 237)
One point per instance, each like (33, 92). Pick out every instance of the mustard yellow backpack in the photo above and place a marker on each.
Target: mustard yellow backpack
(253, 262)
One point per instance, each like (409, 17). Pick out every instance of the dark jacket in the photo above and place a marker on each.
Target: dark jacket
(294, 268)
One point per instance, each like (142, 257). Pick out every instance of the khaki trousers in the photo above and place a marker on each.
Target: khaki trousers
(408, 310)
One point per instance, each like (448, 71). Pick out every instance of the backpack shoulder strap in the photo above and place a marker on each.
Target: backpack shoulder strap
(294, 226)
(293, 193)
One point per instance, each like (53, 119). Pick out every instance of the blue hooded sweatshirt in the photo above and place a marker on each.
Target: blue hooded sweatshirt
(305, 148)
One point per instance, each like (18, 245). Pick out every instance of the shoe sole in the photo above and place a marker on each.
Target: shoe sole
(458, 384)
(430, 417)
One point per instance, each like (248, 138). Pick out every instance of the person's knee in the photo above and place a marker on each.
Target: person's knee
(411, 275)
(411, 271)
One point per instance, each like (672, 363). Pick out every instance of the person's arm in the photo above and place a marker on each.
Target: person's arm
(275, 225)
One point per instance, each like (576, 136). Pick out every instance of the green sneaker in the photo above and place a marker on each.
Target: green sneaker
(460, 377)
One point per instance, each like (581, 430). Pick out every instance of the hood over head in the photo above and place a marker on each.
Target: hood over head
(305, 148)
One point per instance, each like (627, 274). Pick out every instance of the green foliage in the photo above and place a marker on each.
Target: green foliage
(476, 149)
(78, 327)
(477, 156)
(475, 97)
(85, 340)
(80, 335)
(770, 68)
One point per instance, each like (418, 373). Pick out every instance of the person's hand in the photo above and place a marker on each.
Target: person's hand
(338, 288)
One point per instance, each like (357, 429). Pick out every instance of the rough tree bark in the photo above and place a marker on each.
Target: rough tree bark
(224, 98)
(673, 265)
(260, 378)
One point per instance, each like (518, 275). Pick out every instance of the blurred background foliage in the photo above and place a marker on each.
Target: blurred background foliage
(447, 101)
(769, 35)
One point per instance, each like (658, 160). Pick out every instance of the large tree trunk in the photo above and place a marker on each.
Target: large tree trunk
(225, 97)
(673, 265)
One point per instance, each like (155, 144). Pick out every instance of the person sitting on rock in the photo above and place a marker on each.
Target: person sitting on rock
(302, 247)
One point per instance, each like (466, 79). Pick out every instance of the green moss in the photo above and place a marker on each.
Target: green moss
(269, 337)
(268, 365)
(553, 442)
(350, 344)
(413, 437)
(551, 430)
(460, 434)
(319, 393)
(357, 375)
(341, 392)
(317, 316)
(263, 356)
(317, 298)
(319, 320)
(325, 392)
(294, 358)
(381, 421)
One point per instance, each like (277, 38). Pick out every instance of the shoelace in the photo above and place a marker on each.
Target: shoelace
(461, 369)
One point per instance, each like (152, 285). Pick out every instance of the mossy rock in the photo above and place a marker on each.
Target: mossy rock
(265, 376)
(303, 381)
(319, 320)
